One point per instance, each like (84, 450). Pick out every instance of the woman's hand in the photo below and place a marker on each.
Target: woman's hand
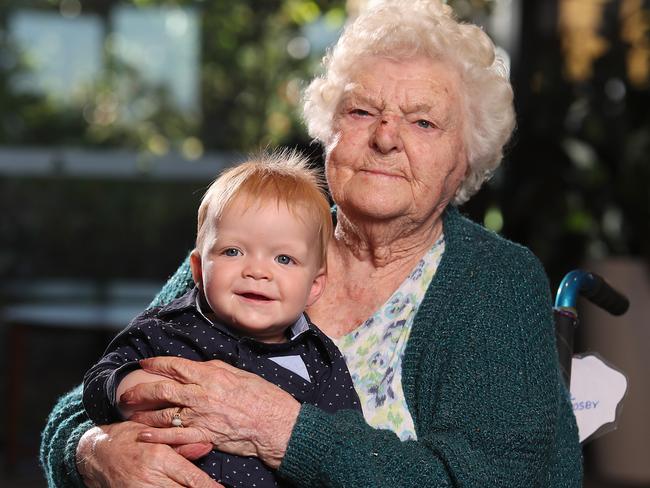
(238, 412)
(111, 455)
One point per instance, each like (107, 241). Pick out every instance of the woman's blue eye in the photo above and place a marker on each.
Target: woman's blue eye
(425, 124)
(231, 252)
(284, 259)
(360, 112)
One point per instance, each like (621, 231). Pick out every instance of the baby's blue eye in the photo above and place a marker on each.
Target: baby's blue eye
(284, 259)
(231, 252)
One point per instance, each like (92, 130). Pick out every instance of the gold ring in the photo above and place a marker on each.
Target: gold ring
(177, 421)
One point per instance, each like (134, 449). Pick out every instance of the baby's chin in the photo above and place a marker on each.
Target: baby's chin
(264, 336)
(262, 332)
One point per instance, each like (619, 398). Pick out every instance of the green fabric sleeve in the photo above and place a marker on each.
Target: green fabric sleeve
(337, 450)
(177, 285)
(68, 420)
(65, 425)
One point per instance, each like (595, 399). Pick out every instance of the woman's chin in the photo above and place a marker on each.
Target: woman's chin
(375, 207)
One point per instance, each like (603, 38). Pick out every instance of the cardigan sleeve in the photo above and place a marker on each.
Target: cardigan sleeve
(65, 425)
(488, 406)
(68, 420)
(177, 285)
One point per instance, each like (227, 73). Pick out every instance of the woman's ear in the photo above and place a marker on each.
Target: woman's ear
(197, 270)
(317, 287)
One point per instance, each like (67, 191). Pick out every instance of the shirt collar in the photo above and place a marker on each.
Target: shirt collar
(180, 304)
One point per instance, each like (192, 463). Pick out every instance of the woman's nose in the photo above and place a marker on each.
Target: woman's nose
(387, 136)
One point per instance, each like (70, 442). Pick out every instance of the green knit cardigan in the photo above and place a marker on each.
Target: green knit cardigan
(480, 376)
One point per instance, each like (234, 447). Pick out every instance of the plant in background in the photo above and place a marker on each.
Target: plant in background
(156, 76)
(206, 76)
(575, 184)
(607, 125)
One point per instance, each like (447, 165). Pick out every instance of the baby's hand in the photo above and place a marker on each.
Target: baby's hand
(193, 451)
(132, 379)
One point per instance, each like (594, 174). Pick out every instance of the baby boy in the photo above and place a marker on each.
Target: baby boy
(260, 260)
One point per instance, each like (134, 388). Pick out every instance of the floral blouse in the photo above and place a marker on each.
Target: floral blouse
(374, 351)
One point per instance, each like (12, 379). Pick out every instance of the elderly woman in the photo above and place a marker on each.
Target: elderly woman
(446, 327)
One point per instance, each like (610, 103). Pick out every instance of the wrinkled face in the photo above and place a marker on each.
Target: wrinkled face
(398, 150)
(259, 268)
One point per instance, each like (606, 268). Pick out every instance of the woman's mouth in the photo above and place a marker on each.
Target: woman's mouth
(381, 172)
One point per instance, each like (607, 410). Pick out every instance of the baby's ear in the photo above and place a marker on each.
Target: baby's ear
(197, 270)
(317, 287)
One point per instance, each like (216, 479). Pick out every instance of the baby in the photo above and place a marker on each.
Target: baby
(260, 260)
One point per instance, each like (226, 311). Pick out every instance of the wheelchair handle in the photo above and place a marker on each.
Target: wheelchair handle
(594, 288)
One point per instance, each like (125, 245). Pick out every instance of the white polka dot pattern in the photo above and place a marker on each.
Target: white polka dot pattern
(180, 329)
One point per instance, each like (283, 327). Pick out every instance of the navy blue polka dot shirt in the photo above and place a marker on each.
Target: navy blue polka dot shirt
(308, 366)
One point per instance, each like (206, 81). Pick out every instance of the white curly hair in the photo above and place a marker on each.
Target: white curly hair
(401, 29)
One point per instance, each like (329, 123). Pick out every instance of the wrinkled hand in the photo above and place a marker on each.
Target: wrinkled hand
(111, 455)
(238, 412)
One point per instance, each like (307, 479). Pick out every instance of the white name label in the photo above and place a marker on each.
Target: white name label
(596, 392)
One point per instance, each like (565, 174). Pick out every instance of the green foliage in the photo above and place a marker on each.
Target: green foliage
(249, 90)
(575, 183)
(249, 83)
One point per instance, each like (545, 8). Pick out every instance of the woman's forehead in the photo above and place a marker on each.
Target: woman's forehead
(376, 75)
(413, 86)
